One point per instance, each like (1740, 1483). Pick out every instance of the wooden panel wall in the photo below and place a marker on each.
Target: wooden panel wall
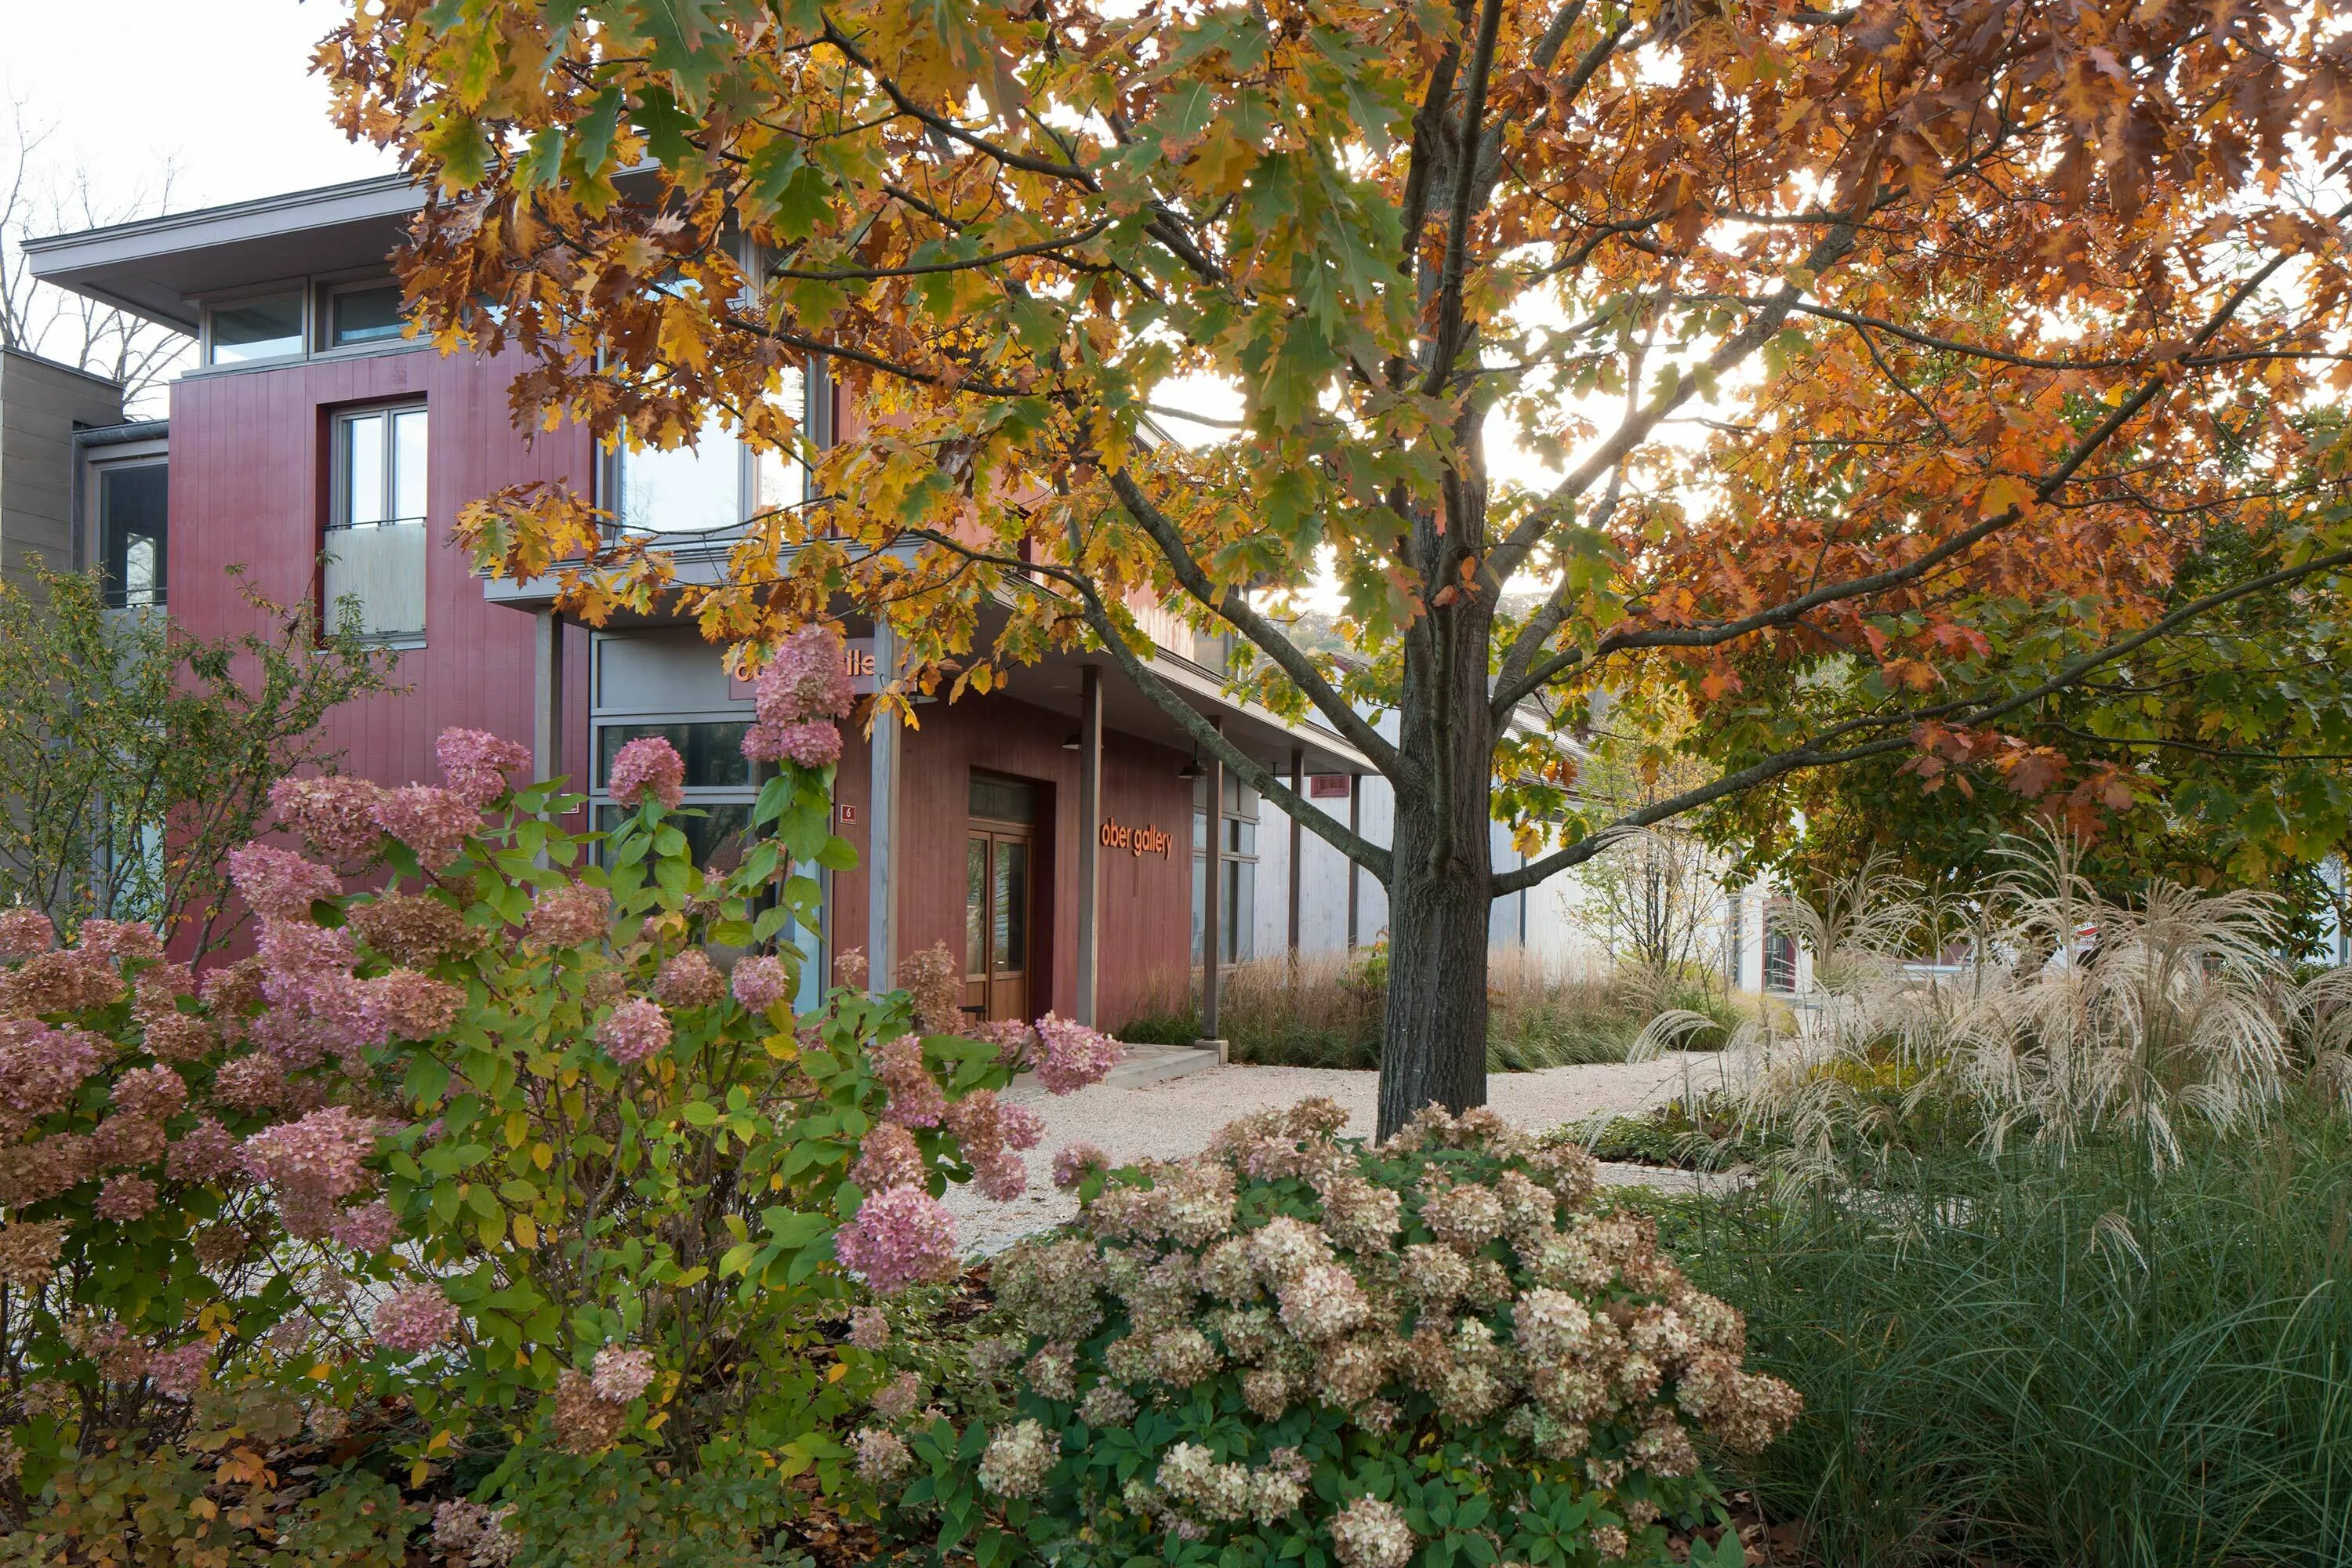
(1147, 917)
(250, 466)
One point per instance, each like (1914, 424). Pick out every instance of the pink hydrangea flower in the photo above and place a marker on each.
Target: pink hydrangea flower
(1001, 1175)
(807, 678)
(476, 763)
(256, 1083)
(620, 1373)
(24, 932)
(205, 1152)
(125, 1198)
(319, 1157)
(40, 1066)
(899, 1238)
(634, 1031)
(1022, 1127)
(1071, 1056)
(155, 1092)
(887, 1157)
(300, 963)
(280, 884)
(134, 940)
(405, 1005)
(435, 823)
(813, 743)
(646, 767)
(178, 1374)
(573, 915)
(335, 815)
(1073, 1162)
(689, 980)
(915, 1099)
(869, 1327)
(761, 981)
(415, 1319)
(370, 1227)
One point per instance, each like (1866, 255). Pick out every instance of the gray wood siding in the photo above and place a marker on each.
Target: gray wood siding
(41, 403)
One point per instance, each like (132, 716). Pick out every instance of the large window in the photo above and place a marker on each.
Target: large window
(131, 533)
(718, 782)
(376, 540)
(266, 326)
(714, 484)
(1237, 910)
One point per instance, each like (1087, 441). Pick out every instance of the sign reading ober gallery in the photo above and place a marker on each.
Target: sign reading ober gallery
(1136, 839)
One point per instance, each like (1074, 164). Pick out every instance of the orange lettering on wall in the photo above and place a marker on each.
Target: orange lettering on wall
(1135, 839)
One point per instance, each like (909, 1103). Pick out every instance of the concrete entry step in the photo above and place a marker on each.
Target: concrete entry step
(1140, 1065)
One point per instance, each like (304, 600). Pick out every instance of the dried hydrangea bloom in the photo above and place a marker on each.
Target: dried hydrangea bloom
(178, 1373)
(1017, 1460)
(621, 1373)
(125, 1198)
(898, 1398)
(416, 1319)
(334, 815)
(583, 1423)
(888, 1157)
(634, 1031)
(1371, 1533)
(476, 763)
(60, 982)
(412, 929)
(647, 768)
(760, 982)
(1053, 1371)
(407, 1006)
(319, 1157)
(806, 678)
(153, 1091)
(1071, 1056)
(1465, 1215)
(576, 914)
(899, 1238)
(26, 931)
(179, 1037)
(933, 979)
(29, 1252)
(368, 1227)
(882, 1457)
(689, 980)
(1073, 1162)
(813, 743)
(280, 884)
(915, 1099)
(433, 822)
(132, 940)
(41, 1066)
(869, 1327)
(1106, 1404)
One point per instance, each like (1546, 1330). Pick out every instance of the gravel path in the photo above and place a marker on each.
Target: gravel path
(1176, 1118)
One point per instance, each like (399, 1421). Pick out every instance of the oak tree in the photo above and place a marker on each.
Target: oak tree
(1841, 351)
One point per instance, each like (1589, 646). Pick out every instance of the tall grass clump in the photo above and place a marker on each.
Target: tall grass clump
(2059, 1356)
(1324, 1010)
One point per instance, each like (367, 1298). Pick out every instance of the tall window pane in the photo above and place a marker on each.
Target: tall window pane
(376, 543)
(366, 316)
(131, 513)
(408, 463)
(778, 479)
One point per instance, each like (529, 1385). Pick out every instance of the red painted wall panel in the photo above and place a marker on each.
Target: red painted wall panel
(250, 463)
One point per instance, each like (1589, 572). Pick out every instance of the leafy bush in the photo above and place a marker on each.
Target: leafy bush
(1299, 1347)
(521, 1149)
(2054, 1361)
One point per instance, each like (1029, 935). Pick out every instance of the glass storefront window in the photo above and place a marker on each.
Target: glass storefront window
(712, 752)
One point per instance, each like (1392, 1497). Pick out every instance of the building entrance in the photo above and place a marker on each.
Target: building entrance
(999, 897)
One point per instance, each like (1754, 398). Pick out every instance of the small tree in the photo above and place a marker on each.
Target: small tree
(134, 756)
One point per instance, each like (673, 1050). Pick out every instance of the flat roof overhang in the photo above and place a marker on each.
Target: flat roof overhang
(163, 267)
(1051, 683)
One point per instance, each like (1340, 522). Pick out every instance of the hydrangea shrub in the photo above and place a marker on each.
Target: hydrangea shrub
(1299, 1347)
(509, 1128)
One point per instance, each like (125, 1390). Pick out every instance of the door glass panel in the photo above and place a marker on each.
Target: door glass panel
(1011, 910)
(975, 907)
(408, 463)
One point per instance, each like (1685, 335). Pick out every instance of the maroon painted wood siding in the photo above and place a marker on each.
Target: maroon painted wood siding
(1147, 918)
(251, 459)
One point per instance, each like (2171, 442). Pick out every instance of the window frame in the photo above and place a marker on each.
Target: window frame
(325, 291)
(96, 464)
(298, 287)
(611, 476)
(340, 422)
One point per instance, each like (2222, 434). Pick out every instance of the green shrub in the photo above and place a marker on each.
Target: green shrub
(1299, 1347)
(2058, 1360)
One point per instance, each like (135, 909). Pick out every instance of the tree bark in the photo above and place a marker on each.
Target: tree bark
(1433, 1039)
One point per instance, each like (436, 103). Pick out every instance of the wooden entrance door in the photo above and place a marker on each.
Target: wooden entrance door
(997, 910)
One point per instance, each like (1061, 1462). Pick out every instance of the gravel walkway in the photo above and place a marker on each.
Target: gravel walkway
(1175, 1118)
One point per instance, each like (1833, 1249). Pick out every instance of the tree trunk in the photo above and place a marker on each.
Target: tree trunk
(1433, 1040)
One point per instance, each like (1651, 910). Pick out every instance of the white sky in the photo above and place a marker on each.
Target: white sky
(217, 92)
